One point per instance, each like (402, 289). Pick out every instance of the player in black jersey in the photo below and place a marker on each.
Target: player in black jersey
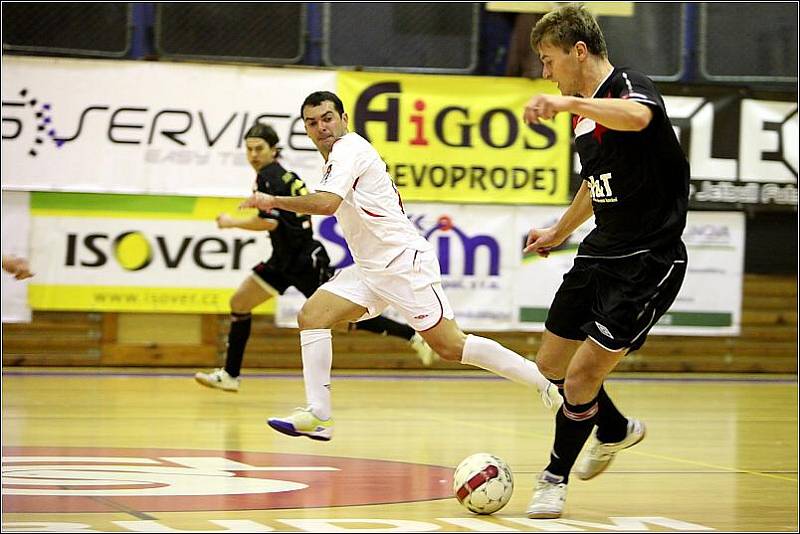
(297, 260)
(630, 267)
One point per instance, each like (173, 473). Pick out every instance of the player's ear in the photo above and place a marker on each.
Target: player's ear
(345, 118)
(581, 50)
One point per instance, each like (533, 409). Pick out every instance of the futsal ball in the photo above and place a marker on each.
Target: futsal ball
(483, 483)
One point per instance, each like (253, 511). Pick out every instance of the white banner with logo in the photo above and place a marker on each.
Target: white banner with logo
(710, 299)
(130, 253)
(96, 252)
(147, 127)
(492, 287)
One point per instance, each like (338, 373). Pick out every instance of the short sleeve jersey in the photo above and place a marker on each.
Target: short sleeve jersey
(294, 234)
(639, 181)
(371, 214)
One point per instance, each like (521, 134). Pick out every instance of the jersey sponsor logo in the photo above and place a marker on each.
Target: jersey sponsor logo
(600, 188)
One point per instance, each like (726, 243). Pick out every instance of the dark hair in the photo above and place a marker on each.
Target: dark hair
(318, 97)
(263, 131)
(566, 26)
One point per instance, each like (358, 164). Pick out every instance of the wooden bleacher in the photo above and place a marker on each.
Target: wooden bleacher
(768, 343)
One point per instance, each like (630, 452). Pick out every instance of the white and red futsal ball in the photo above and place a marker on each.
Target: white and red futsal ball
(483, 483)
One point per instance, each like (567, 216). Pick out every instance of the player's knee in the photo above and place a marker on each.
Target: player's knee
(448, 350)
(550, 368)
(239, 304)
(581, 387)
(310, 317)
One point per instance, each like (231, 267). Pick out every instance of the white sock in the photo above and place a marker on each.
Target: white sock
(492, 356)
(317, 351)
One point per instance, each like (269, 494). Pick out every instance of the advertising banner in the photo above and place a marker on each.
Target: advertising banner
(147, 127)
(461, 138)
(741, 151)
(130, 253)
(492, 287)
(710, 299)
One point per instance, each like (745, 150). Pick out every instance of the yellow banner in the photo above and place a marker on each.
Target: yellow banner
(135, 299)
(461, 138)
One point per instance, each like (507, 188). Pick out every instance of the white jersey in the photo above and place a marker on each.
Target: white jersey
(371, 214)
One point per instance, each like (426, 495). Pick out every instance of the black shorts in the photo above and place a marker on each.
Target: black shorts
(616, 301)
(307, 274)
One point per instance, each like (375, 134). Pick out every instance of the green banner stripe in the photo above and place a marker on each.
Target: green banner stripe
(696, 319)
(104, 202)
(533, 315)
(718, 319)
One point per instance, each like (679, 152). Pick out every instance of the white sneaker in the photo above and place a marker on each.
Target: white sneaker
(424, 351)
(548, 497)
(599, 455)
(551, 398)
(218, 378)
(303, 422)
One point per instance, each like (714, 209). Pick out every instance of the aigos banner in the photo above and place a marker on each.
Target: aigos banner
(132, 253)
(461, 138)
(144, 127)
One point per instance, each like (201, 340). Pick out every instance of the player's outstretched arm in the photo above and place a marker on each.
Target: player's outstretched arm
(320, 203)
(254, 223)
(615, 113)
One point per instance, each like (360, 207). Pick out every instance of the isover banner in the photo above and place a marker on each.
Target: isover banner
(709, 302)
(131, 253)
(146, 127)
(461, 138)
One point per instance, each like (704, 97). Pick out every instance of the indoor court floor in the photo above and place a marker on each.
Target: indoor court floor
(150, 450)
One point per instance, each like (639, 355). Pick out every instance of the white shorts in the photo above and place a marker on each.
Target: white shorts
(411, 283)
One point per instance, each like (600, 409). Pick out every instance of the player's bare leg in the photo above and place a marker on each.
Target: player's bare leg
(319, 313)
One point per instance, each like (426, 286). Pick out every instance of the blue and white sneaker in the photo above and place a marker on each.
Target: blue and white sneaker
(303, 422)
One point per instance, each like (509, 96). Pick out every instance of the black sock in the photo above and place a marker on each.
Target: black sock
(574, 423)
(382, 325)
(612, 426)
(559, 384)
(237, 340)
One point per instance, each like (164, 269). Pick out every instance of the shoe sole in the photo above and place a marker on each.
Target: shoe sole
(289, 430)
(582, 476)
(212, 386)
(544, 515)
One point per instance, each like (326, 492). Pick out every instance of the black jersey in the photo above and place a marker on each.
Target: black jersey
(293, 239)
(639, 181)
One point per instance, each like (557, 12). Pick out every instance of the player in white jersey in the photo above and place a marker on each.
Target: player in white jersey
(394, 265)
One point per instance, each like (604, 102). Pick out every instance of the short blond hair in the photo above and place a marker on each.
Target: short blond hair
(566, 26)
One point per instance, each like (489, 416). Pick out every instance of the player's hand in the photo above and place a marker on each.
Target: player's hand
(18, 267)
(225, 221)
(541, 241)
(261, 201)
(543, 107)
